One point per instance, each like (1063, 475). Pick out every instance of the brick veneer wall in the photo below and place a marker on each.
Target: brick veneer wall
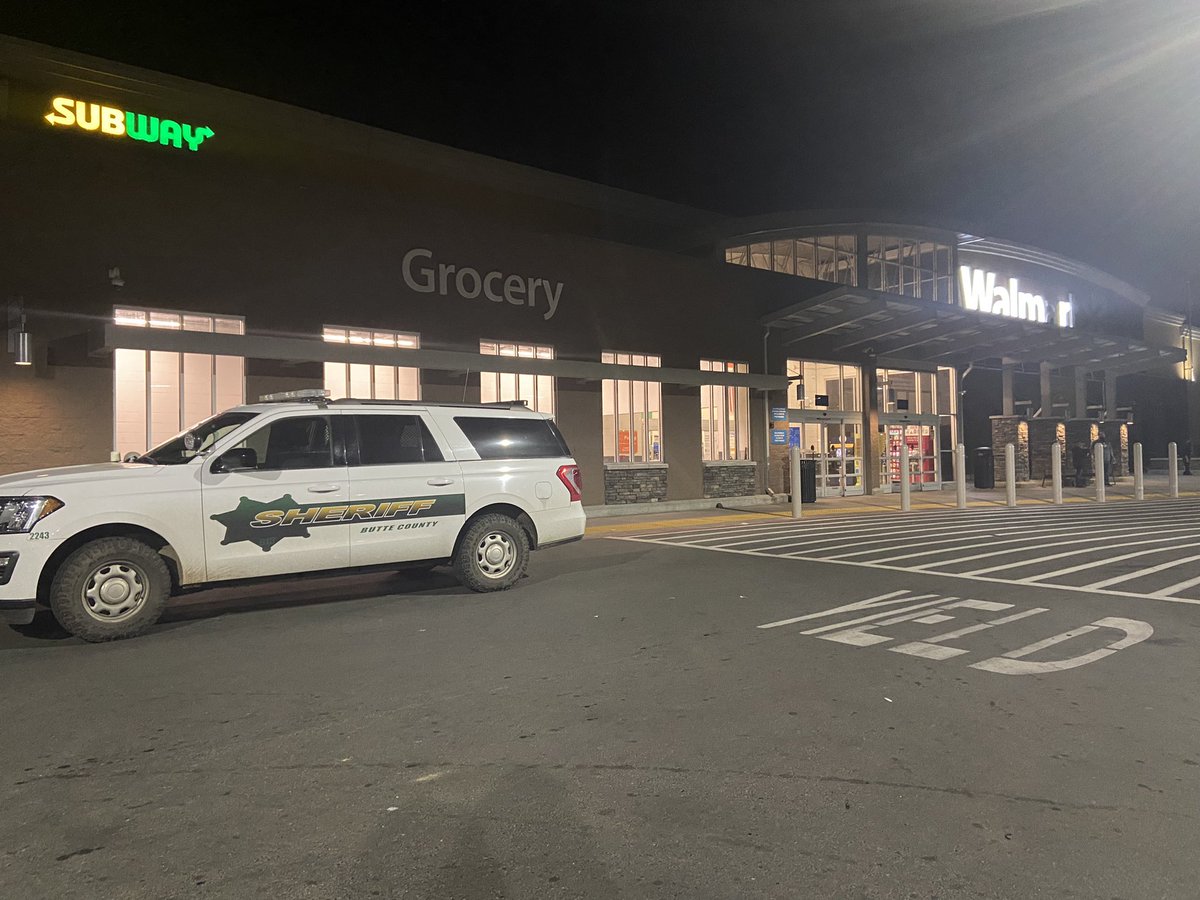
(635, 484)
(730, 479)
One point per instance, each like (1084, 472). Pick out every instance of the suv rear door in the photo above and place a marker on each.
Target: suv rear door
(408, 494)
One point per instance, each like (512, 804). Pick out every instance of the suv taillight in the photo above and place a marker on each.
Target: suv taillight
(573, 479)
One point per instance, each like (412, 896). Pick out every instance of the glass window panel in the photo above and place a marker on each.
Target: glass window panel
(508, 387)
(805, 259)
(545, 394)
(335, 380)
(197, 323)
(129, 402)
(229, 382)
(360, 379)
(164, 396)
(760, 255)
(489, 387)
(132, 317)
(197, 388)
(738, 256)
(785, 256)
(222, 325)
(164, 320)
(408, 383)
(384, 387)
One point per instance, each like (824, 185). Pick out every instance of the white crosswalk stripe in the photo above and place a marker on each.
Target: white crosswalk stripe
(1026, 545)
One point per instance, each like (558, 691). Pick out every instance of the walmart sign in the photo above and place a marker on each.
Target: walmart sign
(69, 113)
(981, 290)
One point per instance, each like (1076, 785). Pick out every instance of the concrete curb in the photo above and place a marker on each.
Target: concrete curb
(667, 506)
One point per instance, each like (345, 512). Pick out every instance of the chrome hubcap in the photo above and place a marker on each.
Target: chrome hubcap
(496, 555)
(114, 591)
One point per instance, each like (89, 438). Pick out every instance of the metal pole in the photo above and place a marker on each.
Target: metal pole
(1139, 484)
(794, 459)
(1098, 469)
(823, 473)
(905, 478)
(1010, 474)
(1056, 471)
(1173, 470)
(960, 476)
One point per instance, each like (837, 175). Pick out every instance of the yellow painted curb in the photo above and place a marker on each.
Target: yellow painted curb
(736, 517)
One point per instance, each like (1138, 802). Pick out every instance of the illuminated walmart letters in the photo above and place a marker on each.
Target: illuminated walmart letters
(468, 283)
(979, 290)
(120, 123)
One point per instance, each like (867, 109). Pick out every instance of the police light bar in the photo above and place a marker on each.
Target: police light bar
(284, 396)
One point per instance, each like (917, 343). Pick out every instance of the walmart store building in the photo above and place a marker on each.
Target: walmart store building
(172, 249)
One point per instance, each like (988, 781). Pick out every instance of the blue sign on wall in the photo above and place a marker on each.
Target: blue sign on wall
(778, 413)
(779, 436)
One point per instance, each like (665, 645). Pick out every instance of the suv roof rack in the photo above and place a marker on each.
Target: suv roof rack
(504, 404)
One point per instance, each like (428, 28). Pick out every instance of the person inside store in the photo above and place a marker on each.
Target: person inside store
(1185, 451)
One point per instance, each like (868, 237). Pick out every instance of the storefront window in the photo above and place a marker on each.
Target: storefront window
(369, 382)
(537, 391)
(828, 257)
(823, 386)
(910, 267)
(907, 392)
(157, 393)
(632, 412)
(724, 415)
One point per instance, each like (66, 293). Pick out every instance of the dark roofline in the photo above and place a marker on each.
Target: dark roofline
(19, 56)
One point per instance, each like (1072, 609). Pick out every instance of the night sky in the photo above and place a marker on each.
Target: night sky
(1068, 124)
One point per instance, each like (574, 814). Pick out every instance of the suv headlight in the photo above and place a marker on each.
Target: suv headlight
(18, 515)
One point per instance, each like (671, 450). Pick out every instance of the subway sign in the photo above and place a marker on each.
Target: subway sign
(979, 289)
(69, 113)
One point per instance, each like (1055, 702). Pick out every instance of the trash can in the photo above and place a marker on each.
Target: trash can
(985, 471)
(808, 481)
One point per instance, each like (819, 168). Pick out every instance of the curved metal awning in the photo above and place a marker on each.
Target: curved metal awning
(850, 323)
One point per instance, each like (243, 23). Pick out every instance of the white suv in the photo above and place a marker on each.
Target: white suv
(284, 487)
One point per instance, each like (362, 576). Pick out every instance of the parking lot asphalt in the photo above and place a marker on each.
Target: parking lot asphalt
(635, 719)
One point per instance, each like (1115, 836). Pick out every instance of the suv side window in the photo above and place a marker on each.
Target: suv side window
(388, 439)
(495, 437)
(300, 442)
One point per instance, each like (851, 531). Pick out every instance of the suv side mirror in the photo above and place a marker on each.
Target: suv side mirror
(238, 459)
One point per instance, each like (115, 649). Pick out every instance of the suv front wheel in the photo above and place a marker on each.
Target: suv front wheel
(110, 588)
(492, 554)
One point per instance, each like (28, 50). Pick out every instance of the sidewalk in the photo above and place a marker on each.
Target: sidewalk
(1028, 494)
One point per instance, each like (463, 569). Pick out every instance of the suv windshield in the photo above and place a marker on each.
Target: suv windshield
(187, 446)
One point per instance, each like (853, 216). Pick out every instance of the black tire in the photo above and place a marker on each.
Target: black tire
(478, 563)
(141, 585)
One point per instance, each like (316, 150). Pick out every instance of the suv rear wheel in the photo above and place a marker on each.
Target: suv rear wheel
(110, 588)
(492, 554)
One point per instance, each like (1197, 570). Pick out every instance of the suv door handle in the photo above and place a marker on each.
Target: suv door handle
(440, 482)
(323, 488)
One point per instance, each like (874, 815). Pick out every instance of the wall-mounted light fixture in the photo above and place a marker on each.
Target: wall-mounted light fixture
(19, 342)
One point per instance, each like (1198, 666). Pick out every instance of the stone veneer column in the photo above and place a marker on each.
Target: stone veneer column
(1010, 430)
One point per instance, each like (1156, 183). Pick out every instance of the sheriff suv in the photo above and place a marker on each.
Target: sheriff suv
(296, 484)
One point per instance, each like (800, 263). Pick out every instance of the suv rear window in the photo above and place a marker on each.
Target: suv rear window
(494, 437)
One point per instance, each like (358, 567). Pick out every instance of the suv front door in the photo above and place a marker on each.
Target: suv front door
(277, 502)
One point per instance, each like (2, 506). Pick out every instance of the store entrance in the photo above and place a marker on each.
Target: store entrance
(835, 443)
(920, 433)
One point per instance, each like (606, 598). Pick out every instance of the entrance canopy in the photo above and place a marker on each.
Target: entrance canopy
(847, 322)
